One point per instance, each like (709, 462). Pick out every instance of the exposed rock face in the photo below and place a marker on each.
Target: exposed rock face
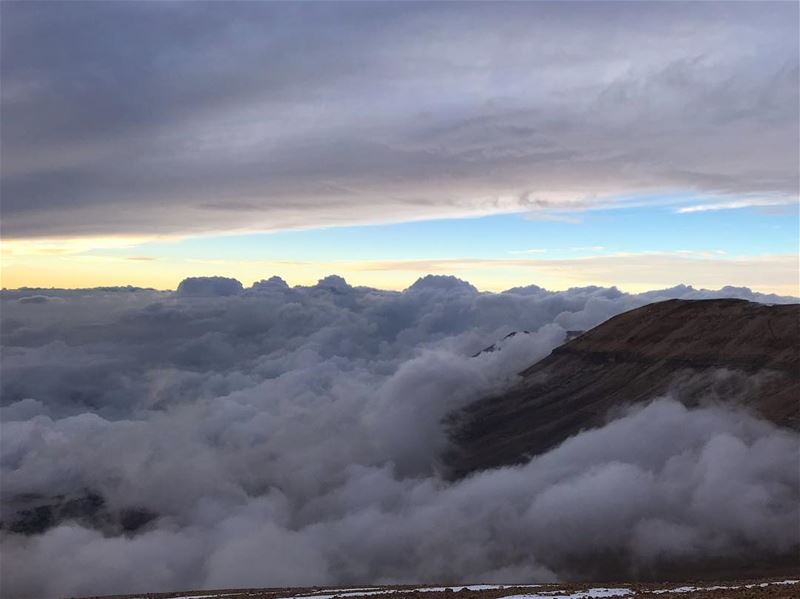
(496, 346)
(698, 350)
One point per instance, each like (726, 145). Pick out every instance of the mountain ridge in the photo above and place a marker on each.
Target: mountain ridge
(728, 350)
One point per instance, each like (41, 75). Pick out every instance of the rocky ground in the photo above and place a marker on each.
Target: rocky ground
(776, 588)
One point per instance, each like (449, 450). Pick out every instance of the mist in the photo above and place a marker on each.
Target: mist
(286, 436)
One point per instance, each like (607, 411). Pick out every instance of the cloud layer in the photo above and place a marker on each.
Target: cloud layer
(271, 115)
(291, 436)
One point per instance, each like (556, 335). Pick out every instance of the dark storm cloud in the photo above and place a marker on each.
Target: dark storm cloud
(292, 436)
(268, 115)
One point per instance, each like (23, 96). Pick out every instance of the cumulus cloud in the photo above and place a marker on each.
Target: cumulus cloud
(637, 270)
(209, 286)
(292, 436)
(228, 119)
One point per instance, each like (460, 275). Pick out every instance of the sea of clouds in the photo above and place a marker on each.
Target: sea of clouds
(282, 436)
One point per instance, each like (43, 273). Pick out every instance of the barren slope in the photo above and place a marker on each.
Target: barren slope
(699, 350)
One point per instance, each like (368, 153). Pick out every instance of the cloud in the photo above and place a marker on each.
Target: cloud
(736, 204)
(38, 299)
(292, 435)
(631, 270)
(56, 247)
(229, 120)
(209, 286)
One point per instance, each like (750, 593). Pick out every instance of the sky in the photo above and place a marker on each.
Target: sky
(337, 207)
(633, 144)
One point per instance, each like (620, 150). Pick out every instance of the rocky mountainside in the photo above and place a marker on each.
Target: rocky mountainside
(697, 350)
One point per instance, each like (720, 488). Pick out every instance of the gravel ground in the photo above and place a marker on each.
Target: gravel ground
(776, 588)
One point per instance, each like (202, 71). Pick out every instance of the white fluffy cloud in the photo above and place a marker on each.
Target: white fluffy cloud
(288, 436)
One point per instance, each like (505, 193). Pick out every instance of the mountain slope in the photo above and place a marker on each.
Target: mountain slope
(698, 350)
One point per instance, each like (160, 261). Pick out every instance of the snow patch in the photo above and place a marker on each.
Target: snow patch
(594, 592)
(475, 587)
(724, 587)
(372, 591)
(335, 594)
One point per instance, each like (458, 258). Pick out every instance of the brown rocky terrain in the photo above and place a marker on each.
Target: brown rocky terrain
(772, 588)
(698, 350)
